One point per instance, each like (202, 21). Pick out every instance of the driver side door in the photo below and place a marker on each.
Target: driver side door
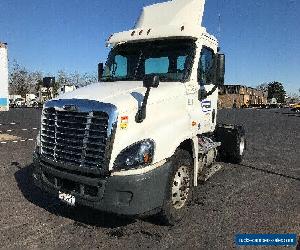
(208, 92)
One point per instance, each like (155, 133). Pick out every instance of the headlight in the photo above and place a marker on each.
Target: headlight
(136, 155)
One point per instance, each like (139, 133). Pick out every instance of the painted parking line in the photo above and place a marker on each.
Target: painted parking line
(22, 129)
(16, 141)
(11, 123)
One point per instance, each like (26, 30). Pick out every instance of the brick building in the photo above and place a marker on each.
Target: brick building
(240, 96)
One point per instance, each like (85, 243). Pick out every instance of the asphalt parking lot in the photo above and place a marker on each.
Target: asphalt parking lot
(259, 196)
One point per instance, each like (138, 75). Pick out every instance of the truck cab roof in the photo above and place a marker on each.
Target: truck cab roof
(172, 19)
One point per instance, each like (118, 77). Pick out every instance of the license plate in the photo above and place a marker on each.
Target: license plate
(67, 198)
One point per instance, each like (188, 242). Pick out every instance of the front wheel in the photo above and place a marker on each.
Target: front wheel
(179, 190)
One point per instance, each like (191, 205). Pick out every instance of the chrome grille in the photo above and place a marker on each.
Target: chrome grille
(74, 138)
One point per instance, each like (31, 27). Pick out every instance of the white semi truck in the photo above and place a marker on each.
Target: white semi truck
(141, 139)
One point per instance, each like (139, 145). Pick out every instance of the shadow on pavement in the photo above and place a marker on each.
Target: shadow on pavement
(82, 216)
(271, 172)
(290, 114)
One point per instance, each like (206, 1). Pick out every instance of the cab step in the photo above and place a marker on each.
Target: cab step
(209, 172)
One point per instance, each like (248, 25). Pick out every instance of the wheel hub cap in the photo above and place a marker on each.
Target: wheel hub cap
(181, 187)
(242, 146)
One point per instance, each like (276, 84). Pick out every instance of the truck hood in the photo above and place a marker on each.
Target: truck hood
(125, 95)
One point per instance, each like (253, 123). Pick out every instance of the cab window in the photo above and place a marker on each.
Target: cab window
(206, 67)
(157, 65)
(119, 67)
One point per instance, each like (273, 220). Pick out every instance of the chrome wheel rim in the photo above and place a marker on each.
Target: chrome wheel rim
(180, 187)
(242, 146)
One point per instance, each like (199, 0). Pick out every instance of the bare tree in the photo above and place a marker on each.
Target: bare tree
(88, 78)
(75, 79)
(18, 80)
(34, 80)
(62, 78)
(263, 87)
(22, 81)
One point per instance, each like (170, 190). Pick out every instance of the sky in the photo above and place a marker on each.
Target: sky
(261, 38)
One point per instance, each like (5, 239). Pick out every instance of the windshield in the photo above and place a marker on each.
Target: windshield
(170, 59)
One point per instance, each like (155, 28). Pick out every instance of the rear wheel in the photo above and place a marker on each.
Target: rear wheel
(179, 190)
(233, 143)
(238, 150)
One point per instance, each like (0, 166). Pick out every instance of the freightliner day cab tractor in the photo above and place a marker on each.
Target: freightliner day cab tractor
(141, 139)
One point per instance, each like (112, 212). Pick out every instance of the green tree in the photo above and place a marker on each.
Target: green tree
(276, 90)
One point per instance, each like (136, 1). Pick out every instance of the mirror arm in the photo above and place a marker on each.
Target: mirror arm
(141, 114)
(207, 94)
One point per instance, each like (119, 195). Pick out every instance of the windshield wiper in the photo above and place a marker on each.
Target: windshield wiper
(116, 79)
(108, 79)
(138, 65)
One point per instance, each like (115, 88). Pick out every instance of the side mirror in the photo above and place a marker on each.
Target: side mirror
(151, 81)
(100, 71)
(220, 69)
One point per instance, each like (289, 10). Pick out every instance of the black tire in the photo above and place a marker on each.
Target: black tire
(237, 154)
(173, 211)
(233, 143)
